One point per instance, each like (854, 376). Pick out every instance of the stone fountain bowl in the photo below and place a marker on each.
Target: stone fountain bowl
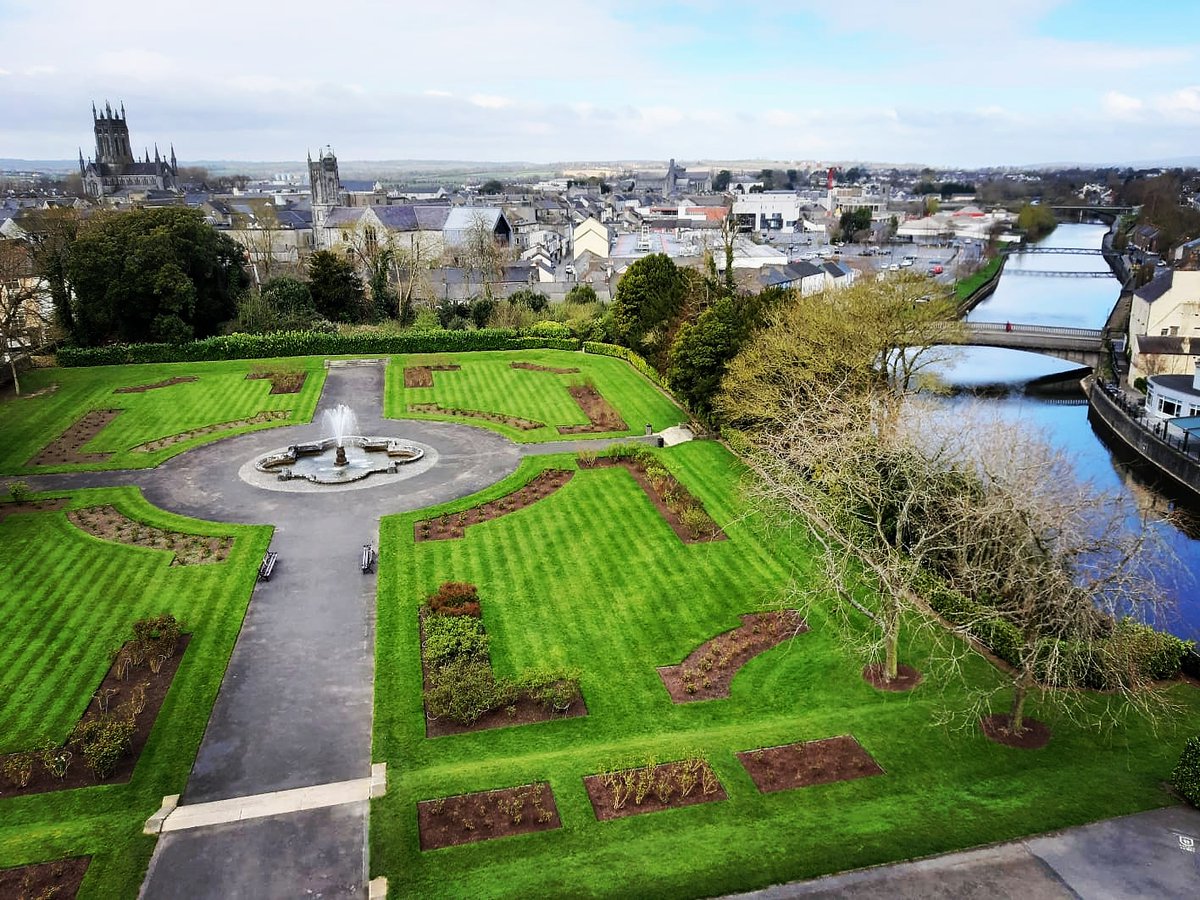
(314, 461)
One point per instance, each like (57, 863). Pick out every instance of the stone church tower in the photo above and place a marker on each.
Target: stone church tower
(326, 188)
(115, 168)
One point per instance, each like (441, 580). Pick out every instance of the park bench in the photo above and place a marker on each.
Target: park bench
(268, 565)
(368, 557)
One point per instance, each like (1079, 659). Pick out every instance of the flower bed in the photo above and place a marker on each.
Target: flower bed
(534, 367)
(486, 815)
(461, 693)
(110, 524)
(59, 879)
(452, 526)
(708, 671)
(166, 382)
(10, 508)
(683, 512)
(652, 788)
(601, 415)
(807, 763)
(422, 376)
(269, 415)
(282, 381)
(105, 745)
(68, 446)
(511, 421)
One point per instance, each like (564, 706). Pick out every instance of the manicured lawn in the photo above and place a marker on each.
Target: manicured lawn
(592, 577)
(487, 382)
(66, 600)
(221, 394)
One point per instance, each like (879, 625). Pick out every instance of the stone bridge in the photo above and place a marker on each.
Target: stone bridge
(1077, 345)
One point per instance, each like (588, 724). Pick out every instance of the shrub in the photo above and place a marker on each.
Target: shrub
(18, 768)
(452, 594)
(449, 638)
(1155, 654)
(103, 741)
(18, 491)
(552, 688)
(697, 521)
(57, 760)
(1186, 776)
(581, 292)
(463, 690)
(157, 636)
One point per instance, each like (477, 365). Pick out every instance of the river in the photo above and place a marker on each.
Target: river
(1081, 303)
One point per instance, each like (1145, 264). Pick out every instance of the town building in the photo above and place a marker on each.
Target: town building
(1164, 325)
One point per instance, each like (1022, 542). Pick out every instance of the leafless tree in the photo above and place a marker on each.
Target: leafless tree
(25, 307)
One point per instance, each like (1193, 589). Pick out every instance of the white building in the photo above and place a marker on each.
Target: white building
(768, 210)
(591, 236)
(1172, 397)
(1164, 325)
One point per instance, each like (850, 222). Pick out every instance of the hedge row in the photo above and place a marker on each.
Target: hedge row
(315, 343)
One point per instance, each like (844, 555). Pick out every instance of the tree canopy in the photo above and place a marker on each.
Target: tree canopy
(158, 274)
(337, 291)
(647, 305)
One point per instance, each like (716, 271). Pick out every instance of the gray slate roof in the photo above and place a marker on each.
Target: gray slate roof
(1156, 288)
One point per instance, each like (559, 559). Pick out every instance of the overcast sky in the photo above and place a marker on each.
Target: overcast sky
(949, 82)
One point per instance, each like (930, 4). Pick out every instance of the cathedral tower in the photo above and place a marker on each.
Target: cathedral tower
(326, 188)
(112, 137)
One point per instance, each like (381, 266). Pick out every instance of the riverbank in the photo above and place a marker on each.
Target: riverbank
(1120, 421)
(974, 289)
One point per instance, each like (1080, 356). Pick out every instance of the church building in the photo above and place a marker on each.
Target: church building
(115, 169)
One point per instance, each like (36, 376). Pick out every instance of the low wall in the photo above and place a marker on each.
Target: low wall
(1177, 467)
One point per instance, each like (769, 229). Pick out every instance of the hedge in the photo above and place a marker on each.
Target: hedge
(315, 343)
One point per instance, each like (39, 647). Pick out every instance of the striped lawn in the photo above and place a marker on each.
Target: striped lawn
(221, 394)
(67, 600)
(488, 383)
(592, 577)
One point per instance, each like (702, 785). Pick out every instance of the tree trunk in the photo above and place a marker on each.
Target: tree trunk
(891, 651)
(12, 363)
(1016, 715)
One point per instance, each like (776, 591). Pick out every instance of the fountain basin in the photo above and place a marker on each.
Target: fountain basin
(316, 461)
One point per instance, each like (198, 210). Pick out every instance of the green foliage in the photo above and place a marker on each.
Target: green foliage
(648, 302)
(580, 292)
(966, 287)
(18, 491)
(448, 638)
(1186, 776)
(535, 300)
(156, 635)
(103, 742)
(631, 357)
(155, 274)
(1036, 221)
(492, 186)
(463, 690)
(337, 291)
(854, 221)
(721, 180)
(1156, 654)
(481, 310)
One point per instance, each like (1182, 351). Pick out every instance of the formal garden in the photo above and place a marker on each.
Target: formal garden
(594, 670)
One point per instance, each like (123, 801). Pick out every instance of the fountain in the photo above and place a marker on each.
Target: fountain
(342, 455)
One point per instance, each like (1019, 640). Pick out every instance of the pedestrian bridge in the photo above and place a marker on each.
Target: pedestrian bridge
(1078, 345)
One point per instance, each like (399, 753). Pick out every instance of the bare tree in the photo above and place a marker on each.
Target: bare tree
(481, 255)
(25, 306)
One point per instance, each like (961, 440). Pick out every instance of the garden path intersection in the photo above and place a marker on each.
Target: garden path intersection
(294, 709)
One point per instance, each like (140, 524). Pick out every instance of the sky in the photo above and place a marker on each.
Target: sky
(943, 82)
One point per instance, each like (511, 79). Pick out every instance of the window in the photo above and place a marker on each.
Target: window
(1168, 407)
(370, 239)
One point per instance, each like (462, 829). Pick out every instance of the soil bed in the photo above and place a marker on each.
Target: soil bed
(59, 879)
(78, 774)
(601, 415)
(670, 774)
(166, 382)
(511, 421)
(1034, 736)
(534, 367)
(808, 763)
(709, 669)
(9, 508)
(269, 415)
(281, 382)
(452, 526)
(638, 471)
(110, 524)
(906, 678)
(68, 446)
(485, 815)
(422, 376)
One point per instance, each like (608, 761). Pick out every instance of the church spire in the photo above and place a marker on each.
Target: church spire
(157, 158)
(122, 109)
(94, 115)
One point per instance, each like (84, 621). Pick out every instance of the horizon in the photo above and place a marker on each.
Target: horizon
(1057, 81)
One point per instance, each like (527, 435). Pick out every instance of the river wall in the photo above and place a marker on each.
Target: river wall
(1176, 467)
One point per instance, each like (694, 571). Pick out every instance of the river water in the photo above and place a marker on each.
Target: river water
(1030, 299)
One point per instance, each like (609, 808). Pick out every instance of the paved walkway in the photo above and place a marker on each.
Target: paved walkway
(1149, 855)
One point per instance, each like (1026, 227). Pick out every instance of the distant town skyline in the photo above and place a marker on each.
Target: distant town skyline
(1036, 81)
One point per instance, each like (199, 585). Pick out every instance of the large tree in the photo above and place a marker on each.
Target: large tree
(159, 274)
(647, 305)
(24, 305)
(337, 291)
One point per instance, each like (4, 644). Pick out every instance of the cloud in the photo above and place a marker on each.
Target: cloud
(1121, 106)
(490, 101)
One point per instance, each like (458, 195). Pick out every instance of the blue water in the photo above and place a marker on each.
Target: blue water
(1079, 303)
